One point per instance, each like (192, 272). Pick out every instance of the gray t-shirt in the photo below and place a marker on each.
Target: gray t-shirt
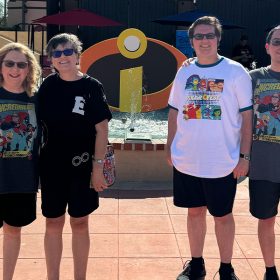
(265, 163)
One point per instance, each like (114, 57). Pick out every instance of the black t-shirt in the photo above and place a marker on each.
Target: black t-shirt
(18, 143)
(69, 111)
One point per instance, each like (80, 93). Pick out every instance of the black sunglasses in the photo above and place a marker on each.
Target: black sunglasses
(209, 36)
(275, 42)
(66, 52)
(20, 65)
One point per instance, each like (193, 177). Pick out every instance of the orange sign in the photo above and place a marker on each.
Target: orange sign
(158, 60)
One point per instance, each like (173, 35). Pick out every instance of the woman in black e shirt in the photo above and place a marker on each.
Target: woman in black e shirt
(74, 114)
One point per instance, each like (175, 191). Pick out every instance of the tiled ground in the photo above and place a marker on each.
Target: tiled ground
(140, 235)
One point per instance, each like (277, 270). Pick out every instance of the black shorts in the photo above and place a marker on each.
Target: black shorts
(217, 194)
(264, 198)
(67, 189)
(17, 209)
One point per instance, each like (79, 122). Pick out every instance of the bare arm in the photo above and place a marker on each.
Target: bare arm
(242, 167)
(101, 141)
(172, 128)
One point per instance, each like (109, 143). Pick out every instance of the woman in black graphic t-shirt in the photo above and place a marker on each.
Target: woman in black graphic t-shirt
(20, 74)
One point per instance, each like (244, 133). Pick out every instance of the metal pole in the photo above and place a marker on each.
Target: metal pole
(128, 13)
(5, 12)
(23, 14)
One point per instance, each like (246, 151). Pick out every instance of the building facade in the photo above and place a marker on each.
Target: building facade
(256, 15)
(24, 11)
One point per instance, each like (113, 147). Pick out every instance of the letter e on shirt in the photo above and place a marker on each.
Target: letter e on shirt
(79, 105)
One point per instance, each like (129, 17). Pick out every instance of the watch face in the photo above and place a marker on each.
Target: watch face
(247, 157)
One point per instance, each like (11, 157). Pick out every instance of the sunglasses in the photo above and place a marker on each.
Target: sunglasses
(209, 36)
(11, 64)
(66, 52)
(275, 42)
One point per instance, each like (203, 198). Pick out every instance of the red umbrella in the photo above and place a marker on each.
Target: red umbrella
(77, 17)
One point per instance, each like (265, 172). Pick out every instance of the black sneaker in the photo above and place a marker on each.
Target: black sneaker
(189, 273)
(228, 276)
(271, 277)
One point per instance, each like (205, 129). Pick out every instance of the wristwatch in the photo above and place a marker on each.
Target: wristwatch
(245, 156)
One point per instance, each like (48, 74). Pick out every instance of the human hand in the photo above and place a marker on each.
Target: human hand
(97, 179)
(241, 169)
(168, 157)
(188, 61)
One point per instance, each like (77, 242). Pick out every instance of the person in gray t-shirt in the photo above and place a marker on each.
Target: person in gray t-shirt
(264, 183)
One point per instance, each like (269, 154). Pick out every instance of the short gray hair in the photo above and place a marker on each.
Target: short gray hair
(62, 39)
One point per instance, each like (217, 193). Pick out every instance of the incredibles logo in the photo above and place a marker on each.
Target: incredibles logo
(136, 72)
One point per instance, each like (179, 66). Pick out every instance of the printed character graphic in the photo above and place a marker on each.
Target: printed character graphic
(192, 111)
(271, 104)
(193, 83)
(217, 112)
(219, 85)
(257, 102)
(262, 125)
(29, 135)
(203, 85)
(206, 113)
(215, 85)
(17, 123)
(211, 85)
(5, 141)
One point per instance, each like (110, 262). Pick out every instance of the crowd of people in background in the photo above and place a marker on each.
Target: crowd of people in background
(58, 131)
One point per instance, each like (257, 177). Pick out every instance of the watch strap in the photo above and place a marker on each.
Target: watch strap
(245, 156)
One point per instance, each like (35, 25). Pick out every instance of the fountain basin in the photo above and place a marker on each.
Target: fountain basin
(141, 164)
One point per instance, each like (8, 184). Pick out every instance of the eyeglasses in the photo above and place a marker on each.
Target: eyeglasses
(11, 64)
(275, 96)
(200, 36)
(275, 42)
(66, 52)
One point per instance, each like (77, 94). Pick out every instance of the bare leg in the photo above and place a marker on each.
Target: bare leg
(53, 246)
(225, 230)
(11, 247)
(196, 230)
(267, 240)
(80, 246)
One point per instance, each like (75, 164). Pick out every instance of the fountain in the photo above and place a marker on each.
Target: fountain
(137, 75)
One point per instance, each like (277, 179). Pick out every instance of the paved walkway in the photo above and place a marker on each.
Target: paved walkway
(140, 235)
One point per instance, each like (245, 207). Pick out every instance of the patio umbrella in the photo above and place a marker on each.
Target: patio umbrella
(80, 17)
(187, 18)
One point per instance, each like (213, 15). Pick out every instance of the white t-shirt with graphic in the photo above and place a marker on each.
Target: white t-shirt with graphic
(209, 100)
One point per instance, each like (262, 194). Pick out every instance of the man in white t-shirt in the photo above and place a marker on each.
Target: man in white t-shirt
(209, 141)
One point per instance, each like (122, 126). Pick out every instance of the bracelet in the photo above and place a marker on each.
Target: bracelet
(98, 161)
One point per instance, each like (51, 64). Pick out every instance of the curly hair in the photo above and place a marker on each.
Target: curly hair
(31, 82)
